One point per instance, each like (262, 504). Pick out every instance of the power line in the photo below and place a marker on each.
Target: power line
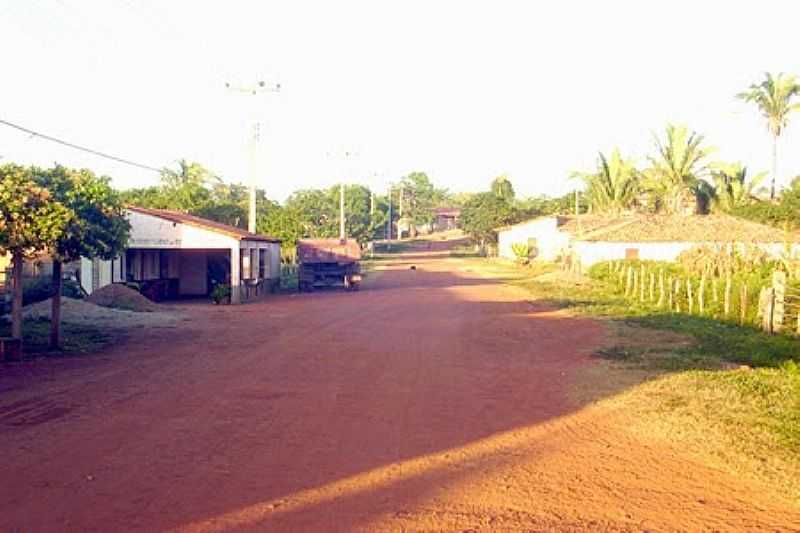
(78, 147)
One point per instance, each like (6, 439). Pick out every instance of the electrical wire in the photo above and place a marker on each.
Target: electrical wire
(78, 147)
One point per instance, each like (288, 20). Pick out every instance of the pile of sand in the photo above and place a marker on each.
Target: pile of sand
(83, 312)
(121, 297)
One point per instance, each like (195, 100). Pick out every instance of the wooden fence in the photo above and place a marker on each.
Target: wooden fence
(774, 307)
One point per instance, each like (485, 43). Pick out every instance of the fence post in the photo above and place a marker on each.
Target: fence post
(678, 295)
(652, 286)
(628, 280)
(633, 286)
(642, 276)
(669, 298)
(714, 294)
(660, 288)
(727, 303)
(743, 304)
(689, 295)
(701, 297)
(778, 300)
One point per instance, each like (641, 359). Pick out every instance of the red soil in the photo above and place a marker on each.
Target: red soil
(433, 399)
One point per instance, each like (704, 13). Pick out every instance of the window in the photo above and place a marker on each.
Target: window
(631, 253)
(262, 263)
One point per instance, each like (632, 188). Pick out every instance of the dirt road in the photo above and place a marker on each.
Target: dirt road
(434, 399)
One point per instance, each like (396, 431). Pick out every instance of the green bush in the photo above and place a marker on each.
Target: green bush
(41, 288)
(221, 293)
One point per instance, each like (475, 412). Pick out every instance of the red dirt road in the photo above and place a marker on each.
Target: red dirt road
(431, 400)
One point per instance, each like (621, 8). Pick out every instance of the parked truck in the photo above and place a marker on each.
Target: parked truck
(328, 263)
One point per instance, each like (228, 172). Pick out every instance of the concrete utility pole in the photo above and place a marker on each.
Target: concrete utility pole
(258, 88)
(389, 222)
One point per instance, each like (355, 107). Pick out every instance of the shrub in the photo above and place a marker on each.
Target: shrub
(221, 293)
(41, 288)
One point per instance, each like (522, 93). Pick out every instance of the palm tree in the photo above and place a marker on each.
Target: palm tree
(502, 188)
(774, 97)
(732, 187)
(613, 187)
(676, 171)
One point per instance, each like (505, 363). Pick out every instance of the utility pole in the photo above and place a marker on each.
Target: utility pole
(258, 88)
(389, 222)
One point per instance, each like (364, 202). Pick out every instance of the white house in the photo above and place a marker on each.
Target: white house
(593, 238)
(173, 254)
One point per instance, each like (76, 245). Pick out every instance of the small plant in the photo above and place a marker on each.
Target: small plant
(522, 252)
(221, 294)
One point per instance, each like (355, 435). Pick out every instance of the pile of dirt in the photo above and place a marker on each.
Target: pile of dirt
(121, 297)
(84, 312)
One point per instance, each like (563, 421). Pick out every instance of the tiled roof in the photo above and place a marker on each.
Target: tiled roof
(672, 228)
(210, 225)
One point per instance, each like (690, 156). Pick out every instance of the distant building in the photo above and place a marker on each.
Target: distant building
(173, 254)
(594, 238)
(446, 218)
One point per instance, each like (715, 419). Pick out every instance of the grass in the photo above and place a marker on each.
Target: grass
(682, 376)
(76, 339)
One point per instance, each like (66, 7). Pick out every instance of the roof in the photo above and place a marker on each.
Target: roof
(672, 228)
(203, 223)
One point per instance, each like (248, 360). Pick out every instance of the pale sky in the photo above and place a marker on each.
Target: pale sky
(461, 90)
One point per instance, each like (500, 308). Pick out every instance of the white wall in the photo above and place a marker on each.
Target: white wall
(148, 231)
(550, 240)
(594, 252)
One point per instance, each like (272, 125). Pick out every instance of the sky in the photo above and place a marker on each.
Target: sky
(461, 90)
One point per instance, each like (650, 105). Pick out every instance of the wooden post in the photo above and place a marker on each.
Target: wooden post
(660, 288)
(678, 295)
(766, 301)
(714, 294)
(743, 304)
(652, 286)
(701, 297)
(642, 280)
(727, 303)
(628, 281)
(778, 300)
(689, 295)
(797, 331)
(669, 279)
(633, 286)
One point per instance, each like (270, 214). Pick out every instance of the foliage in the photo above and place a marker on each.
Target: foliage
(675, 173)
(774, 97)
(732, 189)
(522, 252)
(316, 213)
(30, 219)
(97, 227)
(78, 338)
(719, 260)
(420, 198)
(41, 288)
(483, 214)
(221, 293)
(544, 205)
(502, 188)
(614, 185)
(784, 214)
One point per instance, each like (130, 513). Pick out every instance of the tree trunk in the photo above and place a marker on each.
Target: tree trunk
(774, 166)
(55, 310)
(16, 304)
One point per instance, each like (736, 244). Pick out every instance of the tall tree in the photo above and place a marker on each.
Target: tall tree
(483, 214)
(613, 186)
(420, 198)
(30, 222)
(677, 168)
(775, 98)
(502, 188)
(97, 227)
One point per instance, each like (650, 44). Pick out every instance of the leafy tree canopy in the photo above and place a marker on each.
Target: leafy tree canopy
(483, 214)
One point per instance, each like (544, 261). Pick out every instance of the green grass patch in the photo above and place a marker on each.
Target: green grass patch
(76, 339)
